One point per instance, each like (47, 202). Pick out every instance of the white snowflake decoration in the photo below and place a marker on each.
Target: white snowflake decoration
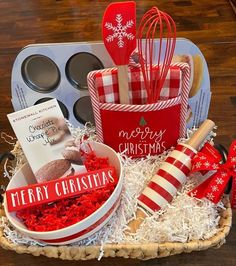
(214, 188)
(206, 164)
(233, 159)
(198, 165)
(219, 181)
(215, 166)
(210, 196)
(223, 174)
(119, 31)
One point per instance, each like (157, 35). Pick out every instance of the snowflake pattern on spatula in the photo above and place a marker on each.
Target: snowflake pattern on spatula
(119, 31)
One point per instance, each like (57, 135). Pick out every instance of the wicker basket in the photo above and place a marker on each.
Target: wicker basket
(137, 251)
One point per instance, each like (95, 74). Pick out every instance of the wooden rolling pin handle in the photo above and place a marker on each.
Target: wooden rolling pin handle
(135, 223)
(200, 135)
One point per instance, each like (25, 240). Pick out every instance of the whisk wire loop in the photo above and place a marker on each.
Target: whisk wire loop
(152, 22)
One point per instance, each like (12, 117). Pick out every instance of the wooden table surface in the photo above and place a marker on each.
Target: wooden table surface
(209, 24)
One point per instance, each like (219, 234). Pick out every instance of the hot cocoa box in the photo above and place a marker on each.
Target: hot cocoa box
(43, 133)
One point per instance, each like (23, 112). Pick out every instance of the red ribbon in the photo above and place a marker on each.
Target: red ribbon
(213, 188)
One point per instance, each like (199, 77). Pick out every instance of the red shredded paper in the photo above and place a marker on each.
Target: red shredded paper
(63, 213)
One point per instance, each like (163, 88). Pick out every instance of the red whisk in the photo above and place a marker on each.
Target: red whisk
(153, 21)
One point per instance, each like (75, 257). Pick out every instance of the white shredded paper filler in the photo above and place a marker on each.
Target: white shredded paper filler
(185, 219)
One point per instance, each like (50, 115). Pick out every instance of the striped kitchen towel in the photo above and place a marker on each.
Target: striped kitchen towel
(106, 82)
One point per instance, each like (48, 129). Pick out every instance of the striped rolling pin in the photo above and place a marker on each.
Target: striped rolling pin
(170, 176)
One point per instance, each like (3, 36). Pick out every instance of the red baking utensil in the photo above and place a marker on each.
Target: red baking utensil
(155, 21)
(119, 30)
(171, 175)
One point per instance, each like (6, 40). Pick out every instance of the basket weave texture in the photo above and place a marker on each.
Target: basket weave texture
(135, 251)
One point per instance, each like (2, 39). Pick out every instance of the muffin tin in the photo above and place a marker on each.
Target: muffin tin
(45, 71)
(59, 70)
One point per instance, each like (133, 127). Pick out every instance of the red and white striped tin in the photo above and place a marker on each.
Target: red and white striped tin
(82, 229)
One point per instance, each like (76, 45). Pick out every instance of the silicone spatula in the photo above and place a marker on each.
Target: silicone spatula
(119, 30)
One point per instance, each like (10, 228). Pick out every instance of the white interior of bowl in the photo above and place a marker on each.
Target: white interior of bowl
(25, 176)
